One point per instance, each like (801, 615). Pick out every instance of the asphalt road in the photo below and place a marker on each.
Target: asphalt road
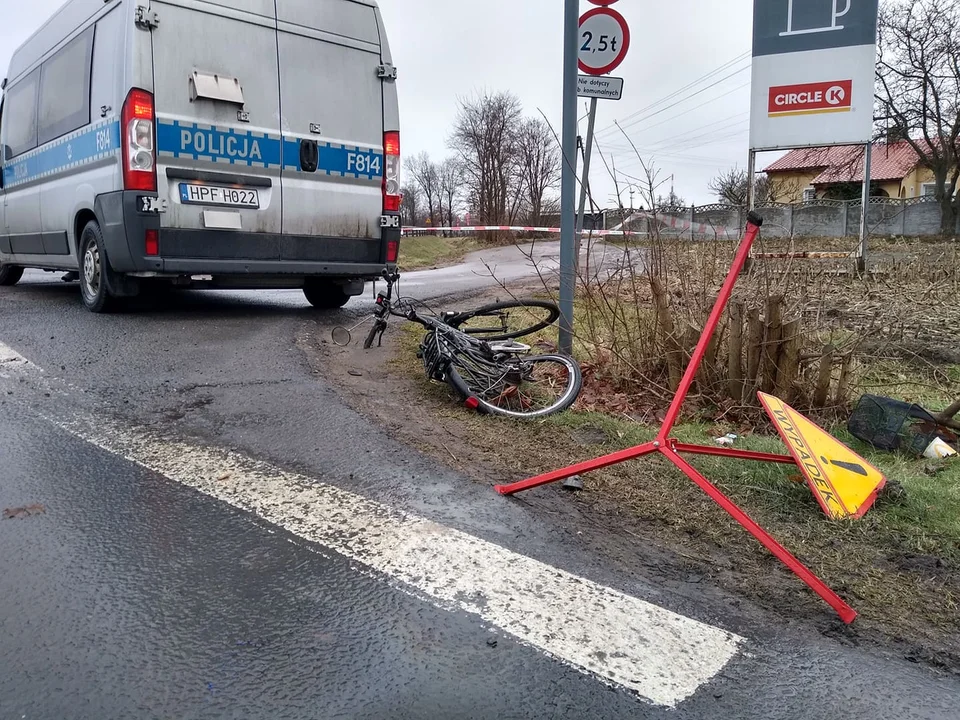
(324, 570)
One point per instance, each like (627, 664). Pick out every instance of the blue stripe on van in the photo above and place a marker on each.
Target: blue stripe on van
(190, 140)
(291, 154)
(239, 147)
(226, 145)
(73, 150)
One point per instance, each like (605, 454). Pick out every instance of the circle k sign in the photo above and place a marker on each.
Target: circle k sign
(604, 39)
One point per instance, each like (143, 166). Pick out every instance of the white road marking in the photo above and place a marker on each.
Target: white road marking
(662, 656)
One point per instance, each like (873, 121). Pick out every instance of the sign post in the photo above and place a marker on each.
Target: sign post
(585, 180)
(568, 183)
(603, 40)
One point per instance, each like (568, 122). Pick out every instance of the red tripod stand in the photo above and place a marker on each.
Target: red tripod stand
(674, 450)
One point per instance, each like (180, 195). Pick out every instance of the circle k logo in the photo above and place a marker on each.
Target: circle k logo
(835, 95)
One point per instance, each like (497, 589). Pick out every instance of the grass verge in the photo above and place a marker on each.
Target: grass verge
(431, 251)
(896, 566)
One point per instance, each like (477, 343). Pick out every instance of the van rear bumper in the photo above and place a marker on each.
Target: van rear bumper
(193, 266)
(219, 252)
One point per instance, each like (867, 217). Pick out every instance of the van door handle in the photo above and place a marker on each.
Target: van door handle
(309, 156)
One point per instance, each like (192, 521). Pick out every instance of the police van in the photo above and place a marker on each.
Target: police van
(203, 143)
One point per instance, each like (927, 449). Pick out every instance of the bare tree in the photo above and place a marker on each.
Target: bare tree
(410, 206)
(918, 79)
(427, 178)
(731, 187)
(451, 185)
(540, 164)
(485, 142)
(670, 201)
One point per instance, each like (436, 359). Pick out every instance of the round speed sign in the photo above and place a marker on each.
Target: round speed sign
(604, 41)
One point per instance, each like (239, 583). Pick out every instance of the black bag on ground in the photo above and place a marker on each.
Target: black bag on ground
(893, 425)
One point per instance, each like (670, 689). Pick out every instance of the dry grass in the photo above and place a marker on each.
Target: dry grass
(431, 251)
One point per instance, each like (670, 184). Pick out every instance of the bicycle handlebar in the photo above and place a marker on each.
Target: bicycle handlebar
(385, 301)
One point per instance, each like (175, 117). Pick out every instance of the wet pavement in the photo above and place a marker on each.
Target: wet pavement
(134, 596)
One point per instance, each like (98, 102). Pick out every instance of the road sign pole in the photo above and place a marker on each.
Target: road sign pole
(585, 183)
(864, 210)
(568, 186)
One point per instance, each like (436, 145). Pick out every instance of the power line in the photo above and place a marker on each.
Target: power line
(684, 88)
(718, 136)
(703, 104)
(624, 126)
(740, 117)
(690, 139)
(679, 152)
(680, 155)
(629, 118)
(687, 112)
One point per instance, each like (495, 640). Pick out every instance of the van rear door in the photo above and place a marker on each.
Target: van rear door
(332, 101)
(217, 92)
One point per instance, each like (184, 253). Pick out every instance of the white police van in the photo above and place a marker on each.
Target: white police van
(211, 143)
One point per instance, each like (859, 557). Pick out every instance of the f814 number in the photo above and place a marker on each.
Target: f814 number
(364, 163)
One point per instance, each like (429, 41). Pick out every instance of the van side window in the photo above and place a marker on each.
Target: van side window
(20, 116)
(65, 89)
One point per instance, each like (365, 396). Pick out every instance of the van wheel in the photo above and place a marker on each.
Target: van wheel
(10, 275)
(95, 272)
(325, 295)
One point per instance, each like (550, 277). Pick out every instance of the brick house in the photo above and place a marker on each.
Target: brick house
(836, 172)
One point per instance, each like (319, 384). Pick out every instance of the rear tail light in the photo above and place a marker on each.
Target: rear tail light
(152, 243)
(393, 250)
(391, 172)
(138, 140)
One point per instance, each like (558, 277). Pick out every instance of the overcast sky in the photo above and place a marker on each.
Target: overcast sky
(447, 49)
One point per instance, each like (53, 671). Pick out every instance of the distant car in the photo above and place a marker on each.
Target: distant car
(211, 143)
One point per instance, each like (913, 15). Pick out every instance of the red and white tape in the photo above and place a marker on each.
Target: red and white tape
(666, 220)
(506, 228)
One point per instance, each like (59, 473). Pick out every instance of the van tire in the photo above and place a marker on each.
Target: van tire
(10, 275)
(96, 275)
(325, 294)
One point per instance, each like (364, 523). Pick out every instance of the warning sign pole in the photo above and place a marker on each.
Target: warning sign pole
(672, 449)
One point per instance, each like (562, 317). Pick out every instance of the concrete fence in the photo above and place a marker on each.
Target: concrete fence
(817, 218)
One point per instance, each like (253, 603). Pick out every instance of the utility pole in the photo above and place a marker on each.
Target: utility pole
(568, 185)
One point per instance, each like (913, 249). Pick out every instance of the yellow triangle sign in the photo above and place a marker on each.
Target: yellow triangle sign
(844, 483)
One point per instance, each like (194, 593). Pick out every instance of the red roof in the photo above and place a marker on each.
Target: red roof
(844, 163)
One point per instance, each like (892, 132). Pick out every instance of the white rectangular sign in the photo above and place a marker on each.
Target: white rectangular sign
(814, 64)
(601, 86)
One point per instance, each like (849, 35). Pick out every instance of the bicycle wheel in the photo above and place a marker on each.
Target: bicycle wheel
(524, 388)
(506, 320)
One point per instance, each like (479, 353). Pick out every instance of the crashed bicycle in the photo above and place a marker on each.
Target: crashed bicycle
(478, 355)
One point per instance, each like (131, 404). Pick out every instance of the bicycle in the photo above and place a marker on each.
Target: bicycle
(477, 354)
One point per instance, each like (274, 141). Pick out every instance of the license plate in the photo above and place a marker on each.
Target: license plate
(216, 195)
